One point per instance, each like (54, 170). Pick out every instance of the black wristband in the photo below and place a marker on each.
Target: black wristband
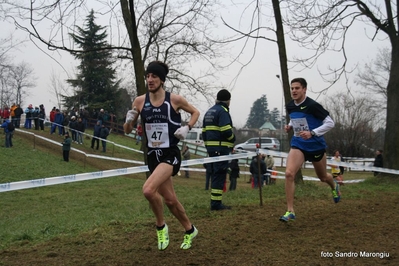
(189, 127)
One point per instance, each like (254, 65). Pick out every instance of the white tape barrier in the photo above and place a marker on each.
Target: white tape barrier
(11, 186)
(85, 134)
(345, 164)
(280, 176)
(87, 154)
(238, 155)
(41, 182)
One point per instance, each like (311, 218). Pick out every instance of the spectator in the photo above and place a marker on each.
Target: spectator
(8, 132)
(96, 135)
(66, 147)
(104, 132)
(186, 156)
(72, 126)
(94, 114)
(5, 113)
(18, 113)
(100, 116)
(73, 112)
(80, 127)
(378, 161)
(219, 140)
(269, 160)
(58, 120)
(65, 122)
(12, 113)
(234, 174)
(84, 114)
(28, 116)
(42, 116)
(52, 115)
(253, 168)
(35, 117)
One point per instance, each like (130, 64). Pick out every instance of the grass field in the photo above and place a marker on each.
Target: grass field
(108, 221)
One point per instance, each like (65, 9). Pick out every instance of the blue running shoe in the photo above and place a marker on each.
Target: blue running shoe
(336, 193)
(288, 216)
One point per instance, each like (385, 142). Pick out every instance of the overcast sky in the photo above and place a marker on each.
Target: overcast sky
(258, 78)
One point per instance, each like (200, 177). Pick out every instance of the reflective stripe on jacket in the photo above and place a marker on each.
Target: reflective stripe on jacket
(217, 128)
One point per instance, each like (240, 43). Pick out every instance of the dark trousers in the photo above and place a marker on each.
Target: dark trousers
(65, 154)
(36, 120)
(208, 175)
(93, 139)
(104, 145)
(41, 124)
(8, 139)
(233, 183)
(219, 173)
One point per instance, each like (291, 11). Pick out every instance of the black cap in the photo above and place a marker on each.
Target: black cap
(223, 95)
(157, 69)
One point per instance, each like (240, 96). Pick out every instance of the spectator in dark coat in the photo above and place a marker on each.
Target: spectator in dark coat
(28, 116)
(378, 161)
(80, 127)
(234, 174)
(18, 113)
(58, 120)
(42, 116)
(35, 117)
(254, 169)
(104, 132)
(66, 147)
(8, 133)
(72, 126)
(96, 135)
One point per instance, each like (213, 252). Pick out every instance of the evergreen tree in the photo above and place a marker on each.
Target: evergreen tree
(95, 85)
(259, 113)
(275, 118)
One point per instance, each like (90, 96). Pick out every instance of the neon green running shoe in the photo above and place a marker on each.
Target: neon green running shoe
(163, 238)
(188, 239)
(288, 216)
(336, 193)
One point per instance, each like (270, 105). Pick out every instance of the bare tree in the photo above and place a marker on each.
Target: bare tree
(22, 79)
(323, 25)
(177, 32)
(356, 123)
(58, 88)
(375, 74)
(15, 82)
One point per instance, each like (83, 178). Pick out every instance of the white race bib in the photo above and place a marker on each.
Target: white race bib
(158, 135)
(299, 124)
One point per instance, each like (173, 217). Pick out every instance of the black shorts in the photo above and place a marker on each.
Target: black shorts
(314, 156)
(170, 156)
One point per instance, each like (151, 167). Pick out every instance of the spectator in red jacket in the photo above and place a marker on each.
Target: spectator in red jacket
(5, 113)
(52, 114)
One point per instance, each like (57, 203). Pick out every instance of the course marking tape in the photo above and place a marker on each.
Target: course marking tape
(11, 186)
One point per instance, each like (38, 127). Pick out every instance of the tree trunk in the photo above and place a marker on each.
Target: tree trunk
(391, 145)
(282, 53)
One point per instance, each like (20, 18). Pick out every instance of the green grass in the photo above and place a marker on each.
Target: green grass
(34, 215)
